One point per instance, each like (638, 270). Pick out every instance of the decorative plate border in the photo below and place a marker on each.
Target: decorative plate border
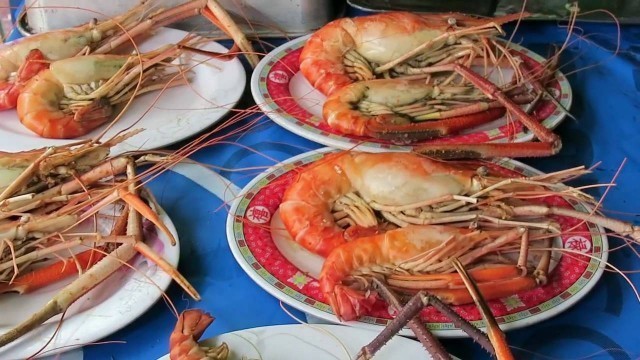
(547, 309)
(285, 110)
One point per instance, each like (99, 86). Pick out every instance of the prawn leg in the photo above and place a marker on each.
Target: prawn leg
(79, 287)
(494, 341)
(62, 269)
(425, 337)
(550, 143)
(497, 337)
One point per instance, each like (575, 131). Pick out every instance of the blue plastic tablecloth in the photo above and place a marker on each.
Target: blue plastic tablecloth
(603, 325)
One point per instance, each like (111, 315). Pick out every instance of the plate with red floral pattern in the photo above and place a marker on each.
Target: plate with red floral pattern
(283, 94)
(251, 238)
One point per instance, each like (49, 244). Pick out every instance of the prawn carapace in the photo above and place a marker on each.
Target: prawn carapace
(77, 95)
(394, 44)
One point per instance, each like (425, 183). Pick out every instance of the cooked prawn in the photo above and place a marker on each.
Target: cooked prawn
(77, 95)
(408, 110)
(101, 38)
(395, 252)
(23, 58)
(392, 179)
(392, 44)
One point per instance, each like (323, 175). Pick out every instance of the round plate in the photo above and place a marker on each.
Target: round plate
(284, 94)
(174, 114)
(252, 244)
(287, 342)
(110, 306)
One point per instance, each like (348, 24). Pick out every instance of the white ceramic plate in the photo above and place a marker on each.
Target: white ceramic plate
(294, 342)
(251, 238)
(178, 113)
(109, 307)
(283, 93)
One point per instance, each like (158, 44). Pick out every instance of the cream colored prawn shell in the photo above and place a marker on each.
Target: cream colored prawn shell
(376, 44)
(395, 92)
(85, 69)
(393, 183)
(54, 46)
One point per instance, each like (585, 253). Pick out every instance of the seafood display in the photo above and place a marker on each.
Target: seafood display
(447, 239)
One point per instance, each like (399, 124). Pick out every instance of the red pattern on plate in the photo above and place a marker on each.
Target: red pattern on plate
(284, 69)
(258, 238)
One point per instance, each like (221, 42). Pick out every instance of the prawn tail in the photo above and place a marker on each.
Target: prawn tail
(350, 304)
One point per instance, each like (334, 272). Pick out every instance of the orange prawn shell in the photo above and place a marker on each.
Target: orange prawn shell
(385, 35)
(321, 58)
(38, 110)
(388, 178)
(388, 249)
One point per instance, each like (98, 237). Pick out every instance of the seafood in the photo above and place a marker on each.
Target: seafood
(408, 110)
(426, 61)
(183, 342)
(397, 44)
(401, 110)
(380, 215)
(79, 94)
(23, 58)
(38, 213)
(404, 254)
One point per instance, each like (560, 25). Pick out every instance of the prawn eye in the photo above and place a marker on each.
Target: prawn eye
(96, 35)
(482, 171)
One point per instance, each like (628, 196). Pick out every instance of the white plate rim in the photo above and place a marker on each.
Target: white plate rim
(412, 346)
(597, 232)
(153, 138)
(82, 320)
(285, 120)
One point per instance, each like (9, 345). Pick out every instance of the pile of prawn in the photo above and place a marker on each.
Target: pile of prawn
(45, 195)
(401, 218)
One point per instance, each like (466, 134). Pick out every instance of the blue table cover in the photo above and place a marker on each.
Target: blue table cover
(603, 325)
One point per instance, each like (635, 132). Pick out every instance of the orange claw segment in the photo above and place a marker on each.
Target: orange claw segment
(491, 90)
(485, 150)
(434, 281)
(50, 274)
(490, 290)
(496, 336)
(140, 206)
(381, 128)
